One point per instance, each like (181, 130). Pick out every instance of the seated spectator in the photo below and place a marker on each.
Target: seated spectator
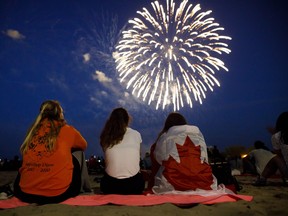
(50, 172)
(121, 146)
(179, 158)
(266, 163)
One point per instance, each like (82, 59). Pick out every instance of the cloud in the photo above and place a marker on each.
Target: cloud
(122, 102)
(101, 77)
(95, 100)
(59, 82)
(86, 57)
(127, 98)
(97, 97)
(113, 94)
(14, 34)
(104, 93)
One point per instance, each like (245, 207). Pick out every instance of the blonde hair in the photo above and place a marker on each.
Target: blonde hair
(53, 112)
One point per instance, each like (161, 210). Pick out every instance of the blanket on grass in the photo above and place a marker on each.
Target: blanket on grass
(137, 200)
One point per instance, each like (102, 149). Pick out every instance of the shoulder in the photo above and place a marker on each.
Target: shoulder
(184, 128)
(69, 128)
(179, 133)
(132, 131)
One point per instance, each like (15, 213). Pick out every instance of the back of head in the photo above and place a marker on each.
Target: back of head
(51, 110)
(115, 128)
(174, 119)
(260, 145)
(119, 116)
(282, 121)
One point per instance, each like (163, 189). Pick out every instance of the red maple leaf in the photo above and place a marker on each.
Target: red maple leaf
(190, 173)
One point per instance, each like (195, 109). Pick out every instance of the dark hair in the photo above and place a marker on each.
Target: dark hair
(115, 128)
(260, 145)
(282, 126)
(173, 119)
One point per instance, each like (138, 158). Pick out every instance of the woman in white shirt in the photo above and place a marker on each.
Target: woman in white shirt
(121, 146)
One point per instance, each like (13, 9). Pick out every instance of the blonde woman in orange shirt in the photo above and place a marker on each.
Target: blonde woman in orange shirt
(49, 172)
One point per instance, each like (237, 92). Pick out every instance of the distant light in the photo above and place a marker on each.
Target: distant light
(243, 156)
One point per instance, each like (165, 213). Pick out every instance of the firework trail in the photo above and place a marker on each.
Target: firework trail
(96, 40)
(169, 54)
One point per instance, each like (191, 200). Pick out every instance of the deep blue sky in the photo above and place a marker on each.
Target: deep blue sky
(42, 58)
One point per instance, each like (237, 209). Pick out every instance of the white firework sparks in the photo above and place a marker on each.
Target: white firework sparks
(169, 55)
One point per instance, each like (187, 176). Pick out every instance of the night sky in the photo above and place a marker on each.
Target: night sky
(42, 56)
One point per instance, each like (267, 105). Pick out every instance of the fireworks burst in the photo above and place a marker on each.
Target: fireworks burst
(169, 55)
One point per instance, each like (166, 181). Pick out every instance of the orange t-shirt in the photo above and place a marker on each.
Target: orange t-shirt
(49, 173)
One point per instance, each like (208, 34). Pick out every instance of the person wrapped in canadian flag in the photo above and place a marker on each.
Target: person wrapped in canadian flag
(179, 159)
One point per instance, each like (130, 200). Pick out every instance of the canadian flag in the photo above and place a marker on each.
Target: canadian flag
(182, 156)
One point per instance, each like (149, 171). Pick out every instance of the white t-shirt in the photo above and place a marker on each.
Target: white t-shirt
(262, 157)
(278, 145)
(123, 159)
